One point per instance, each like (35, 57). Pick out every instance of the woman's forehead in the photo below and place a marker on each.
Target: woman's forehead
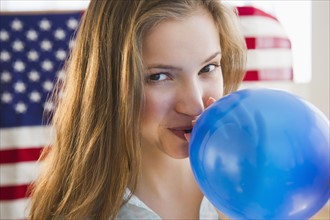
(193, 39)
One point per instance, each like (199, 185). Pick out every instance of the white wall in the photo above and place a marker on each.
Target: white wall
(42, 5)
(319, 87)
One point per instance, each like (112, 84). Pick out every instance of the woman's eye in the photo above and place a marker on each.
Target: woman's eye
(158, 77)
(208, 68)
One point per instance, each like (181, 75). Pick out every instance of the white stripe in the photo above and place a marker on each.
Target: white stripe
(19, 173)
(269, 59)
(284, 74)
(259, 26)
(36, 136)
(15, 209)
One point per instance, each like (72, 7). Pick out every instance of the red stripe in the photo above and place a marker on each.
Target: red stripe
(267, 42)
(269, 75)
(20, 155)
(14, 192)
(252, 11)
(251, 75)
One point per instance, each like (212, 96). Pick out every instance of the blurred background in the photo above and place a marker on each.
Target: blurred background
(288, 44)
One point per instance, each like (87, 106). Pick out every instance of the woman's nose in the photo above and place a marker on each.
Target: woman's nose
(190, 100)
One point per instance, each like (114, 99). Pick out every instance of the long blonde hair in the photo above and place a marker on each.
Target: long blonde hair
(96, 152)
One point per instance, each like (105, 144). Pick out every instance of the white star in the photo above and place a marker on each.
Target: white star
(59, 34)
(45, 24)
(34, 76)
(35, 96)
(47, 65)
(49, 106)
(19, 87)
(4, 56)
(60, 54)
(72, 23)
(4, 36)
(20, 107)
(5, 77)
(61, 75)
(33, 55)
(18, 45)
(16, 25)
(32, 35)
(19, 66)
(61, 94)
(46, 45)
(6, 97)
(47, 85)
(72, 43)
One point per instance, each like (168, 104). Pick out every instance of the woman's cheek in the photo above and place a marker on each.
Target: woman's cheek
(156, 103)
(213, 90)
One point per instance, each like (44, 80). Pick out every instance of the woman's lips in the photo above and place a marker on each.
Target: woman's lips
(188, 130)
(180, 132)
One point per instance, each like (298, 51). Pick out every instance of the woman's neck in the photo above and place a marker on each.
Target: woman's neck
(168, 187)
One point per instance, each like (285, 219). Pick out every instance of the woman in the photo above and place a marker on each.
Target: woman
(140, 73)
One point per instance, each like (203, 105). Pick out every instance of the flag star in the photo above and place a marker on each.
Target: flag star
(60, 54)
(17, 25)
(61, 75)
(47, 65)
(4, 36)
(32, 35)
(4, 56)
(48, 85)
(6, 97)
(20, 107)
(18, 45)
(72, 23)
(19, 87)
(49, 106)
(72, 43)
(5, 77)
(45, 24)
(61, 94)
(35, 96)
(46, 45)
(34, 76)
(33, 55)
(59, 34)
(19, 66)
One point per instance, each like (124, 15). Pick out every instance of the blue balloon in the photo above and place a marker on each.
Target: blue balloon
(262, 154)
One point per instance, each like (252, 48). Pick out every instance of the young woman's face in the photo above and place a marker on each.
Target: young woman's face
(182, 59)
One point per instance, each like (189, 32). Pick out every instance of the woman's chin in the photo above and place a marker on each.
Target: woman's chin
(181, 151)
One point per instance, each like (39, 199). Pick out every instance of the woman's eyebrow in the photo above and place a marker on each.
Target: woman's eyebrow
(163, 66)
(212, 56)
(170, 67)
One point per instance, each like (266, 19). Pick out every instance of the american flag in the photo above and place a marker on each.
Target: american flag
(33, 50)
(269, 47)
